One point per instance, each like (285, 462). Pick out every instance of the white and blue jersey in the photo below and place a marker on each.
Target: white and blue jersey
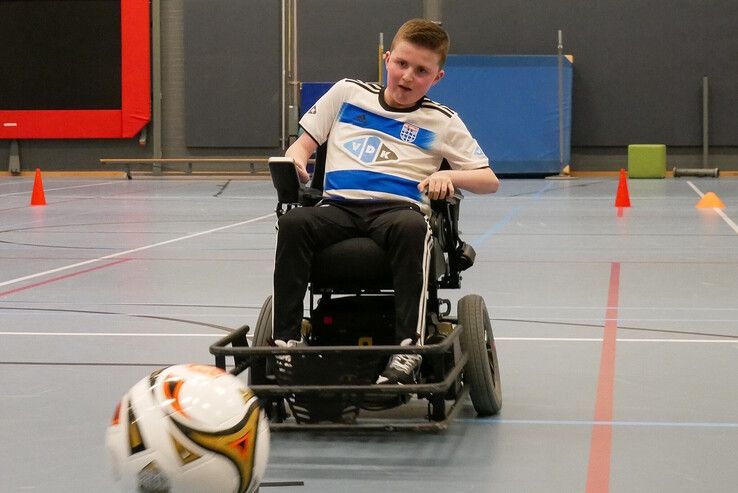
(376, 152)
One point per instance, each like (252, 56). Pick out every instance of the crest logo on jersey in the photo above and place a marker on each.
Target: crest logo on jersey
(312, 110)
(409, 133)
(369, 150)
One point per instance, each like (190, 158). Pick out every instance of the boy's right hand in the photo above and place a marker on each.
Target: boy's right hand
(302, 173)
(300, 151)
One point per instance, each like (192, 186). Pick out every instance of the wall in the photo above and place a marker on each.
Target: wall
(638, 69)
(232, 73)
(339, 38)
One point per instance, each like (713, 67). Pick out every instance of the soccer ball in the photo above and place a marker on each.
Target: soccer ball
(188, 428)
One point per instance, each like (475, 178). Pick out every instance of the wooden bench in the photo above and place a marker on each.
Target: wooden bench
(156, 163)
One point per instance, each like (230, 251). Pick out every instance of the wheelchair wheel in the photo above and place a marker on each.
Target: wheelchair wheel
(262, 331)
(482, 371)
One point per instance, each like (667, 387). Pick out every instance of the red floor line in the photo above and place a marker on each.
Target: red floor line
(600, 450)
(60, 278)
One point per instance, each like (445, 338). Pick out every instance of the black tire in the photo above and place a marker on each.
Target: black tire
(482, 370)
(262, 332)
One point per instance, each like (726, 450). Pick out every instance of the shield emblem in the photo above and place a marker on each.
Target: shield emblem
(409, 133)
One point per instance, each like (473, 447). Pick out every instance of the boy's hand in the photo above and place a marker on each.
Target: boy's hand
(302, 173)
(437, 186)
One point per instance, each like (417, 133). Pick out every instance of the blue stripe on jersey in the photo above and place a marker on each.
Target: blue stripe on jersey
(353, 115)
(373, 182)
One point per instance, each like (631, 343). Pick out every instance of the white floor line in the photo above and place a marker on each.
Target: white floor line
(496, 309)
(565, 422)
(597, 339)
(725, 217)
(621, 320)
(134, 250)
(548, 308)
(720, 212)
(220, 334)
(130, 197)
(12, 183)
(62, 188)
(112, 334)
(697, 190)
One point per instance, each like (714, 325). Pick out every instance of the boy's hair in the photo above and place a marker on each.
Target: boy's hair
(425, 33)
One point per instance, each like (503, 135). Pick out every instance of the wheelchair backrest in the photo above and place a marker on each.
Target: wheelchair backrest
(319, 170)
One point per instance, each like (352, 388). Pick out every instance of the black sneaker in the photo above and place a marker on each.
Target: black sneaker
(402, 368)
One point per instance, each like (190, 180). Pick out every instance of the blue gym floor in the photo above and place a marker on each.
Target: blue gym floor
(617, 333)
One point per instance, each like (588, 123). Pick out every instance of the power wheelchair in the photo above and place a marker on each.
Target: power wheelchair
(350, 332)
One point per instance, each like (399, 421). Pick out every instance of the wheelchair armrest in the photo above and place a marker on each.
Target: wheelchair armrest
(290, 191)
(455, 198)
(445, 223)
(310, 196)
(445, 219)
(285, 179)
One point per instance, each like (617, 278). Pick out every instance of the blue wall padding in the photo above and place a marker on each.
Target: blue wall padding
(310, 93)
(509, 103)
(511, 106)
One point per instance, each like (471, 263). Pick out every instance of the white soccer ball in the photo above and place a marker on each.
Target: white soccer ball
(188, 429)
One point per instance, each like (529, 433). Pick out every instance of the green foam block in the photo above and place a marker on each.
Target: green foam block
(646, 161)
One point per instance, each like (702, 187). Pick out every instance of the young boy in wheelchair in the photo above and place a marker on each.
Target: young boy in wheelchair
(385, 146)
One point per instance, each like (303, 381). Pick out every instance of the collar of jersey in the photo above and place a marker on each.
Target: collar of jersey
(387, 107)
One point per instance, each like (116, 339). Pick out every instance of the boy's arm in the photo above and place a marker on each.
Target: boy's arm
(300, 151)
(442, 184)
(317, 123)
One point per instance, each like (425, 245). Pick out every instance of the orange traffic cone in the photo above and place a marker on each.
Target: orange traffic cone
(38, 198)
(622, 199)
(710, 201)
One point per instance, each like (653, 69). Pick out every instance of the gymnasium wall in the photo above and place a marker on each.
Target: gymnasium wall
(228, 49)
(638, 66)
(638, 69)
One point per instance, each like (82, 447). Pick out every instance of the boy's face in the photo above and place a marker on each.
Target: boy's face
(411, 71)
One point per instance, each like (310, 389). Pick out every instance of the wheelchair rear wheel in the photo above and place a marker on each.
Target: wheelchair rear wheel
(262, 331)
(482, 371)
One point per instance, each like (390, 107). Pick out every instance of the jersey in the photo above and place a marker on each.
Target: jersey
(376, 152)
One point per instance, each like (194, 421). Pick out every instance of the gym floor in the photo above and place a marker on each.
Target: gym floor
(617, 333)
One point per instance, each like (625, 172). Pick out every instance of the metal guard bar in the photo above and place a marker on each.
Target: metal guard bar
(388, 425)
(421, 388)
(219, 348)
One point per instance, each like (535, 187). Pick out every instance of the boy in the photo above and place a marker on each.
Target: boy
(385, 147)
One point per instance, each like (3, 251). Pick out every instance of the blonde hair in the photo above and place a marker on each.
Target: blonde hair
(425, 33)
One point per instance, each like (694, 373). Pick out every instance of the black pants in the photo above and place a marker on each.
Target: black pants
(400, 229)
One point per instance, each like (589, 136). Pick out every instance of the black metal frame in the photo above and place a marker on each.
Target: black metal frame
(444, 384)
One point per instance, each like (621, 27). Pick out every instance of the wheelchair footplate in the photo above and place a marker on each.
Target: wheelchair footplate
(326, 387)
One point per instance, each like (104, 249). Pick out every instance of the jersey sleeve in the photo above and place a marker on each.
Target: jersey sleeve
(318, 120)
(461, 149)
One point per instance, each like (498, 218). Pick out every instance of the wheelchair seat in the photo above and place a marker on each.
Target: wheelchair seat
(351, 265)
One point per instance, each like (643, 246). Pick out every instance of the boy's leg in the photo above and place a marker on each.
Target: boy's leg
(301, 232)
(405, 236)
